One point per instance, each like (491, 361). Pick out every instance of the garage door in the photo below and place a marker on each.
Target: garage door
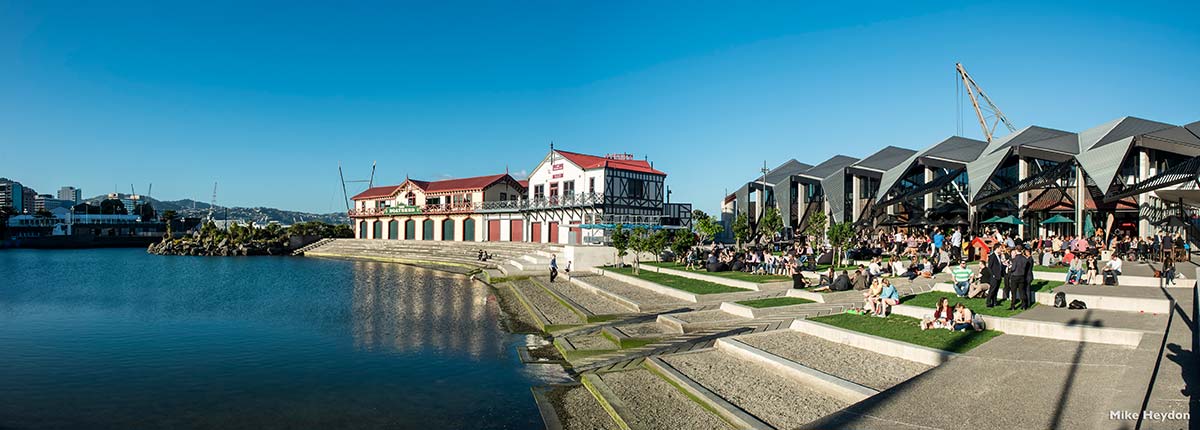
(514, 231)
(554, 232)
(494, 230)
(535, 232)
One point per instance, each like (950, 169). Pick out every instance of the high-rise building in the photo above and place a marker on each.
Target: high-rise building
(70, 193)
(12, 194)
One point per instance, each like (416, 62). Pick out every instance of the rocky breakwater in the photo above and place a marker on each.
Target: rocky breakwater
(223, 247)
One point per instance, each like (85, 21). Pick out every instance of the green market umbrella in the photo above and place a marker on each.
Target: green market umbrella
(1058, 219)
(1088, 228)
(991, 220)
(1005, 220)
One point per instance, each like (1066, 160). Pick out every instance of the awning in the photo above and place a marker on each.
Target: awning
(1058, 219)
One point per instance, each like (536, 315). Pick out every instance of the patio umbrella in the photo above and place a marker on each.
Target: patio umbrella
(1087, 226)
(1172, 221)
(917, 221)
(957, 220)
(991, 220)
(1008, 220)
(1058, 219)
(891, 221)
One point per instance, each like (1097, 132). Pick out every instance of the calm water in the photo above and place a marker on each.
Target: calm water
(122, 339)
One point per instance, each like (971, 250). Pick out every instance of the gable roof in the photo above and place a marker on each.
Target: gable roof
(980, 171)
(885, 159)
(443, 186)
(1102, 148)
(588, 162)
(835, 164)
(786, 170)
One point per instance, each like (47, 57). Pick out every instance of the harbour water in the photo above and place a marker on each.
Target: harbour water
(117, 338)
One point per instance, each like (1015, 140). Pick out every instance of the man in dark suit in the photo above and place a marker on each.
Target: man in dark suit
(1019, 270)
(996, 268)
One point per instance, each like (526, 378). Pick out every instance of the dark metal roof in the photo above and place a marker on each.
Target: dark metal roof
(886, 158)
(1037, 137)
(956, 148)
(786, 170)
(836, 164)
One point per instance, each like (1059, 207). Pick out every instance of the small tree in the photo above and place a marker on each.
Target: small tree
(741, 228)
(840, 236)
(640, 242)
(816, 225)
(658, 241)
(620, 241)
(168, 216)
(770, 223)
(707, 228)
(684, 240)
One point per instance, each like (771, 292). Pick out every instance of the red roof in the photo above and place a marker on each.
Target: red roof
(524, 183)
(376, 192)
(448, 185)
(593, 162)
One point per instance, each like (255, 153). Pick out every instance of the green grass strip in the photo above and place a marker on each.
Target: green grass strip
(693, 286)
(774, 302)
(737, 276)
(1055, 269)
(628, 342)
(907, 329)
(978, 305)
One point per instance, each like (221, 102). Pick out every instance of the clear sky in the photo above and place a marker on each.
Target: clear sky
(267, 98)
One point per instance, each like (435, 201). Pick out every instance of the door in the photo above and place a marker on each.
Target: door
(535, 232)
(494, 230)
(575, 237)
(468, 230)
(553, 232)
(514, 231)
(427, 229)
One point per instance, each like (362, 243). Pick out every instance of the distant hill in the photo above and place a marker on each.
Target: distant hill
(262, 215)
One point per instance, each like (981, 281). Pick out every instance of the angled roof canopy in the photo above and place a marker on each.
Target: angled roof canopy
(1102, 148)
(835, 164)
(1037, 141)
(956, 151)
(885, 159)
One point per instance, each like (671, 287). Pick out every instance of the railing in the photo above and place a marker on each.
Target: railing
(571, 200)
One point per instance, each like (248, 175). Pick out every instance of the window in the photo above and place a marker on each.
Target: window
(538, 192)
(503, 196)
(569, 188)
(635, 188)
(554, 189)
(592, 185)
(412, 199)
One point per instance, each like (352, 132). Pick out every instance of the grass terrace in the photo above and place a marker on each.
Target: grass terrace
(693, 286)
(850, 268)
(629, 342)
(737, 276)
(979, 305)
(774, 302)
(906, 329)
(1055, 269)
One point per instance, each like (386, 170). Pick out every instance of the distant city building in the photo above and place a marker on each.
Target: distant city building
(48, 202)
(129, 200)
(70, 193)
(16, 196)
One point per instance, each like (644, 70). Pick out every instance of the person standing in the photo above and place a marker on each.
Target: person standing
(553, 267)
(1018, 269)
(956, 241)
(995, 265)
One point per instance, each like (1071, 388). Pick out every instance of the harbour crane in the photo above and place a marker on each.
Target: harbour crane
(345, 195)
(214, 202)
(992, 111)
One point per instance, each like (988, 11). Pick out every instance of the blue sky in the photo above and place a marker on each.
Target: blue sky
(267, 98)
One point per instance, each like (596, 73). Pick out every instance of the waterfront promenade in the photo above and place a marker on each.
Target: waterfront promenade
(678, 349)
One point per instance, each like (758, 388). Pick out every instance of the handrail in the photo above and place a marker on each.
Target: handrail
(551, 202)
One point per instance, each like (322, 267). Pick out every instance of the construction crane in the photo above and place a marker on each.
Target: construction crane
(345, 195)
(214, 202)
(993, 111)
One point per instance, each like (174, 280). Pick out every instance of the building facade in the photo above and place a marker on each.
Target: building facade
(569, 198)
(75, 195)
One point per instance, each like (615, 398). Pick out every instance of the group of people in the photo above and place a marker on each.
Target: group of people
(958, 317)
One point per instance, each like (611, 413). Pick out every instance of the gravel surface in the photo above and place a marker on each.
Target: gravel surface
(779, 401)
(646, 329)
(591, 342)
(867, 368)
(654, 404)
(637, 294)
(593, 302)
(706, 316)
(516, 318)
(550, 307)
(578, 410)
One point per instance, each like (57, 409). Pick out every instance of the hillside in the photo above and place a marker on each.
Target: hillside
(262, 215)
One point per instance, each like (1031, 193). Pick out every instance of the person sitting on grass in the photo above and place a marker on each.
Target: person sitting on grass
(964, 319)
(842, 283)
(962, 279)
(871, 296)
(942, 317)
(888, 297)
(826, 278)
(861, 279)
(914, 269)
(926, 268)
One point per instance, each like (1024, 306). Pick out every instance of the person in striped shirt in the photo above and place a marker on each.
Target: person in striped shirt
(962, 278)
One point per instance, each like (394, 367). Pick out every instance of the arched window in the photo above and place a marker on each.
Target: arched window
(362, 229)
(393, 229)
(469, 230)
(448, 229)
(410, 230)
(427, 229)
(377, 230)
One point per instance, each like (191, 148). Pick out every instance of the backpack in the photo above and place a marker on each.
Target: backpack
(1076, 304)
(1060, 300)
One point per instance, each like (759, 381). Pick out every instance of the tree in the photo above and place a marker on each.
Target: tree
(657, 242)
(741, 228)
(640, 243)
(770, 223)
(684, 240)
(707, 228)
(620, 241)
(168, 216)
(816, 225)
(840, 236)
